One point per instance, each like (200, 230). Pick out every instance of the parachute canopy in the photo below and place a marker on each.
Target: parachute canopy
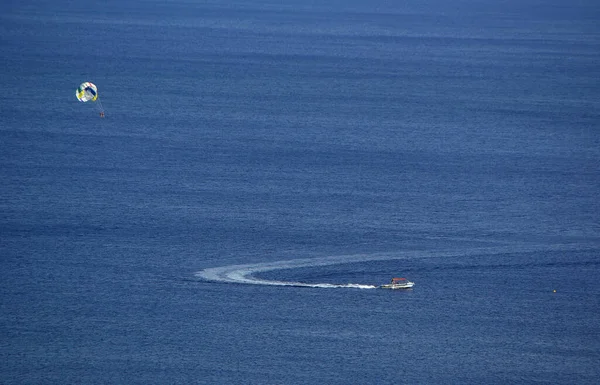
(87, 92)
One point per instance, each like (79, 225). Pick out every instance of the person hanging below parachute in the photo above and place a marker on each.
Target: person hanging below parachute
(88, 92)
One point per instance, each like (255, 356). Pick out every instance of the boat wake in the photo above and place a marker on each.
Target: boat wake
(245, 274)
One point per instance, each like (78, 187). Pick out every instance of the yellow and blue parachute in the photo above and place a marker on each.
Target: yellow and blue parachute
(88, 92)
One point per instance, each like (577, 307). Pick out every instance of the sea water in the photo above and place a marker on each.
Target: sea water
(264, 166)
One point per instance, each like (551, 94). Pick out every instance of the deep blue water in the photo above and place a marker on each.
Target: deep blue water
(454, 143)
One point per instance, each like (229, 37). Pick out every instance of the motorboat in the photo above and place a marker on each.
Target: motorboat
(398, 283)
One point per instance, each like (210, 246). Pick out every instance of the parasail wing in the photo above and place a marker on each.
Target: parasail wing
(87, 92)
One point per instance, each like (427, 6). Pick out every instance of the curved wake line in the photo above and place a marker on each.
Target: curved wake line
(244, 274)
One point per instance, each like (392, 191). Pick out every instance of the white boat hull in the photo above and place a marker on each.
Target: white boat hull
(396, 286)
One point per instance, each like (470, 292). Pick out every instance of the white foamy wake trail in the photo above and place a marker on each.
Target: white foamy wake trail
(245, 273)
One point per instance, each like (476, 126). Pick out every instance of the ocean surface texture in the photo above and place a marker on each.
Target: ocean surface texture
(263, 166)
